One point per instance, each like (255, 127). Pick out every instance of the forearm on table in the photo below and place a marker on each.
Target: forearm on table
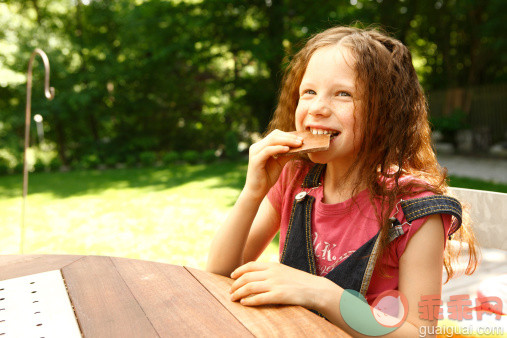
(226, 252)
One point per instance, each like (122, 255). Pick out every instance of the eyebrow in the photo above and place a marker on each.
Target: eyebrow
(341, 84)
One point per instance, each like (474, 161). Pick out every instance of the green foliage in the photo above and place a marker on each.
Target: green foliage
(191, 156)
(140, 76)
(473, 183)
(55, 164)
(39, 165)
(231, 145)
(148, 158)
(208, 156)
(131, 160)
(171, 157)
(18, 168)
(450, 123)
(90, 161)
(4, 166)
(112, 160)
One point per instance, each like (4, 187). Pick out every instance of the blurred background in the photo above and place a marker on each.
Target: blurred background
(134, 76)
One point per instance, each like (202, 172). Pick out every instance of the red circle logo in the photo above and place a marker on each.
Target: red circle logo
(390, 308)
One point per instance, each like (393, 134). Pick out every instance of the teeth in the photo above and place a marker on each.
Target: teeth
(315, 131)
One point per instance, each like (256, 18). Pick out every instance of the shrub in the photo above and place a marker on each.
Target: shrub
(209, 156)
(131, 160)
(171, 157)
(77, 165)
(191, 156)
(231, 145)
(112, 160)
(450, 124)
(55, 164)
(90, 161)
(18, 168)
(148, 158)
(4, 166)
(39, 165)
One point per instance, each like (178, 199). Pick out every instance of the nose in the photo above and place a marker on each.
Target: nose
(319, 107)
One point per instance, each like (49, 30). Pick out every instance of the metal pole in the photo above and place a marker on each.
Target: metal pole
(50, 93)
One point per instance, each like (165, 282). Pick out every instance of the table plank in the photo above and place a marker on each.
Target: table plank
(12, 266)
(175, 302)
(103, 303)
(272, 321)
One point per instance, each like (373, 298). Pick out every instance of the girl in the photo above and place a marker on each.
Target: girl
(368, 214)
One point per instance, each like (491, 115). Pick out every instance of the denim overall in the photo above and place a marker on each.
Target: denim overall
(354, 272)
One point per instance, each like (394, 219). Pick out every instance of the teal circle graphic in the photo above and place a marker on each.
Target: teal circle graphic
(356, 312)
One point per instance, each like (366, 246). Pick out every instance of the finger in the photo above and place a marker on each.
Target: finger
(283, 138)
(250, 289)
(273, 151)
(263, 298)
(248, 277)
(248, 267)
(280, 138)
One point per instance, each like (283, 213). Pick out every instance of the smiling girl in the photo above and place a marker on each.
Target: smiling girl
(370, 213)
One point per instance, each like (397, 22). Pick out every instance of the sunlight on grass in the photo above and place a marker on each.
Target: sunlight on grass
(166, 215)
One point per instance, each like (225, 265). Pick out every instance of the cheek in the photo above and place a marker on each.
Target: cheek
(299, 116)
(352, 121)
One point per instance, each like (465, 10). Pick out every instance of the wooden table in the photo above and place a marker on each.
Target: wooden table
(119, 297)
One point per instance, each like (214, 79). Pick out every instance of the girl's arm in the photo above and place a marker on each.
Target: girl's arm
(420, 274)
(232, 245)
(249, 228)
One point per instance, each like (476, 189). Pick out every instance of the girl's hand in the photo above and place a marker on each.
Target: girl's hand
(263, 168)
(259, 283)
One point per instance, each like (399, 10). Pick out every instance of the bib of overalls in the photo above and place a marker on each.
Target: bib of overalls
(355, 272)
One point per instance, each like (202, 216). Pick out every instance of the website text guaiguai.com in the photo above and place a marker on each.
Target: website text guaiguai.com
(451, 331)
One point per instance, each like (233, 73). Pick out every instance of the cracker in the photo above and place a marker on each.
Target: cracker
(311, 143)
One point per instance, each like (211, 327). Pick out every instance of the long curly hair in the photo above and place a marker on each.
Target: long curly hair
(396, 135)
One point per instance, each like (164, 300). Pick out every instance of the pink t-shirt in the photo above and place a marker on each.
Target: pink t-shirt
(340, 229)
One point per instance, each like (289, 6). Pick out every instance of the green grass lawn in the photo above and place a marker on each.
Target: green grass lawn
(166, 214)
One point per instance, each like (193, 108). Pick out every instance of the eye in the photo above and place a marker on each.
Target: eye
(309, 91)
(343, 93)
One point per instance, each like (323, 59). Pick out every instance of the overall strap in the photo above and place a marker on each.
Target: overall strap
(312, 179)
(437, 204)
(298, 248)
(355, 272)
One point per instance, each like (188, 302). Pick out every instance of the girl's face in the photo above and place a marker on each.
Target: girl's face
(329, 102)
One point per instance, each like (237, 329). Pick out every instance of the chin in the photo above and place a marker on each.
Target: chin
(318, 157)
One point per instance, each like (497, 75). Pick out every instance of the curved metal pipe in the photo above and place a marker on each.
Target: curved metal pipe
(50, 94)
